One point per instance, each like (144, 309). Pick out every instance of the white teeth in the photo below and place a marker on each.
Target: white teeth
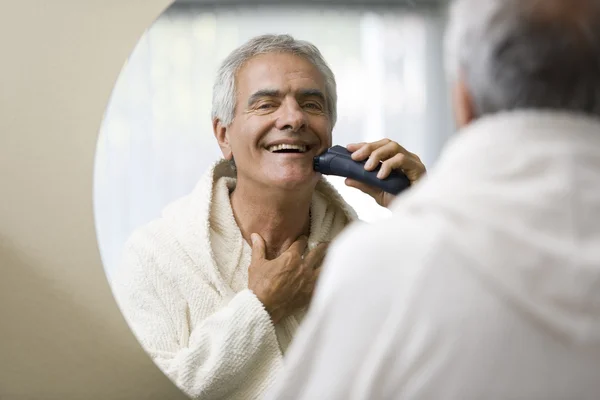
(277, 147)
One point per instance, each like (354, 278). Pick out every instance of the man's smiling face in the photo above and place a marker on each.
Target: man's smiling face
(281, 121)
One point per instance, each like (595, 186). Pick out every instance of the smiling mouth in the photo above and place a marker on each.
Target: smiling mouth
(288, 148)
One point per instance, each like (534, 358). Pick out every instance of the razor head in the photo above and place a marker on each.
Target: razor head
(321, 162)
(340, 151)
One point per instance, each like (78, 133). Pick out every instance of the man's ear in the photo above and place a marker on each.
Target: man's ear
(464, 108)
(222, 135)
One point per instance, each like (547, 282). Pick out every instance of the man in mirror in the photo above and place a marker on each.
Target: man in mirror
(215, 289)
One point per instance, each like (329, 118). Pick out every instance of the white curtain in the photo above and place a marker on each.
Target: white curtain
(156, 139)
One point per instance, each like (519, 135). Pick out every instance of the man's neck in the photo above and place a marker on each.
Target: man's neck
(279, 216)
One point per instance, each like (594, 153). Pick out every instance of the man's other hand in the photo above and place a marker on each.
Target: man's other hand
(285, 284)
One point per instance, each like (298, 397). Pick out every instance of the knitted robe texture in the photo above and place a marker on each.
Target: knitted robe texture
(183, 288)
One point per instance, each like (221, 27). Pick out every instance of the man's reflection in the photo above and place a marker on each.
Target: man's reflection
(216, 287)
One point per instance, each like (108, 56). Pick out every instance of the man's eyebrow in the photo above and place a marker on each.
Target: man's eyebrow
(312, 93)
(263, 93)
(276, 93)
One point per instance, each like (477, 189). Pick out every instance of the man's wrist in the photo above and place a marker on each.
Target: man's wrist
(270, 309)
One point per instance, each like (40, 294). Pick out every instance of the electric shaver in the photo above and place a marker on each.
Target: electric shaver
(337, 161)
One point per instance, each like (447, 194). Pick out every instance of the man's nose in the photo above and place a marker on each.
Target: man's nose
(291, 116)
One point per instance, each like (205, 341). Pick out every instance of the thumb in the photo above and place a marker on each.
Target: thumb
(376, 193)
(368, 189)
(258, 247)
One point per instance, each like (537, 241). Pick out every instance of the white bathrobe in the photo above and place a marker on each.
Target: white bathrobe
(183, 289)
(485, 283)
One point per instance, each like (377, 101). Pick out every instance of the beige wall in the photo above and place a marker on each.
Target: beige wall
(61, 334)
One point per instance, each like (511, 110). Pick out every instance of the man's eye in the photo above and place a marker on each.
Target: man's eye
(265, 106)
(313, 106)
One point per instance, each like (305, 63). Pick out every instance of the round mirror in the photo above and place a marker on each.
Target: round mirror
(172, 245)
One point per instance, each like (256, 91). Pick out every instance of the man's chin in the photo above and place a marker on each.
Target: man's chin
(305, 181)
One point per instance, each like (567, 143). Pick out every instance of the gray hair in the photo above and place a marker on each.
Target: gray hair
(520, 54)
(224, 89)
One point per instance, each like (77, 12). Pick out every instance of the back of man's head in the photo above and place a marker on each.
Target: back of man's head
(526, 54)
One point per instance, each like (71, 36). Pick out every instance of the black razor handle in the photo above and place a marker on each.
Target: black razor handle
(338, 161)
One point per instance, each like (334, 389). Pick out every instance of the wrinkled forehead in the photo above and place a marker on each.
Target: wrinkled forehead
(285, 73)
